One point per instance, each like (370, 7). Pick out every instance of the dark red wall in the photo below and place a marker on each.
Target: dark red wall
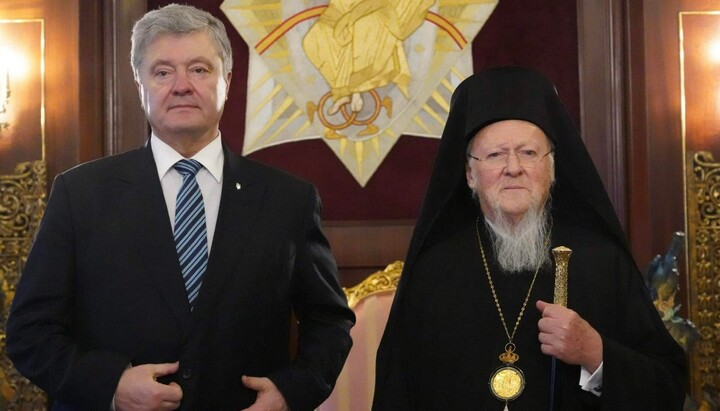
(541, 34)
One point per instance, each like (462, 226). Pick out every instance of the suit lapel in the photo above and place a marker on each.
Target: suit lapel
(242, 195)
(141, 196)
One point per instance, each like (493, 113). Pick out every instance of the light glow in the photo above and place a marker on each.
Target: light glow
(13, 63)
(714, 51)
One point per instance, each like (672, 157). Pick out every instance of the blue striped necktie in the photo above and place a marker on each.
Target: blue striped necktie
(190, 231)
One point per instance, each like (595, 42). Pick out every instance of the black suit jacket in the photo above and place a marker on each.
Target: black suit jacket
(102, 288)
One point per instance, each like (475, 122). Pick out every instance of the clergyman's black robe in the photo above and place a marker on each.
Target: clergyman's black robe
(453, 333)
(444, 335)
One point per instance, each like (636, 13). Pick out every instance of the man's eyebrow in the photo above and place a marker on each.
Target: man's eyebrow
(160, 62)
(200, 59)
(166, 62)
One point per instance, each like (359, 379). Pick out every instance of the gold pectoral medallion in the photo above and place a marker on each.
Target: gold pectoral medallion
(507, 381)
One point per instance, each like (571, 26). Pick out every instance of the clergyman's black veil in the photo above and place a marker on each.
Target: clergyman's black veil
(578, 194)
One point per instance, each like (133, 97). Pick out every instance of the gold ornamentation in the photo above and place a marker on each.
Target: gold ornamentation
(703, 221)
(350, 118)
(22, 202)
(508, 378)
(385, 280)
(358, 45)
(562, 258)
(507, 383)
(509, 356)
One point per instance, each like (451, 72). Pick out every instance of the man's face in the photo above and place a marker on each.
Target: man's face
(182, 86)
(521, 180)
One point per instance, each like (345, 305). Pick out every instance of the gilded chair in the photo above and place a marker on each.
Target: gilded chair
(22, 202)
(370, 300)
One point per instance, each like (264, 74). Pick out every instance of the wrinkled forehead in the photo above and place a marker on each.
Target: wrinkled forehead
(199, 43)
(510, 133)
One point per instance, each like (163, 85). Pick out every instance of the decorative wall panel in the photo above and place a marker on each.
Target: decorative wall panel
(703, 215)
(22, 202)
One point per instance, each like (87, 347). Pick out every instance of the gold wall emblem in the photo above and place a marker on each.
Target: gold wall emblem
(356, 73)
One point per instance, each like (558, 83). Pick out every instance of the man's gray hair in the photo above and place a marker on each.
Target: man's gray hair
(178, 19)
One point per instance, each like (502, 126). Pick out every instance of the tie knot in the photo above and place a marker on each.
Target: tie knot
(187, 167)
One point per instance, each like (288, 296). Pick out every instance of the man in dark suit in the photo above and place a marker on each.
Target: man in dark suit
(111, 313)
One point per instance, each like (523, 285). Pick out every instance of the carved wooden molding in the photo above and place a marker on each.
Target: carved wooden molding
(22, 202)
(703, 227)
(602, 94)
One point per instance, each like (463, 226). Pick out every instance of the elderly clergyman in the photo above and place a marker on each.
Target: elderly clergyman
(473, 324)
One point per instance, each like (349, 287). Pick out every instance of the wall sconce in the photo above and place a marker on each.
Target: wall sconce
(713, 57)
(12, 64)
(4, 93)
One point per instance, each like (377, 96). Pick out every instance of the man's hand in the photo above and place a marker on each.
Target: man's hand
(269, 398)
(568, 337)
(139, 390)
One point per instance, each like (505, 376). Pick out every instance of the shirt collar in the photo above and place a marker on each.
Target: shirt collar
(211, 156)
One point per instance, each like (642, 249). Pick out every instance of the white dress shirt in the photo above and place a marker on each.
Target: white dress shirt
(592, 382)
(209, 178)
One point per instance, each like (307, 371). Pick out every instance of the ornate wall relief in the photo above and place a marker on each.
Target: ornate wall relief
(703, 228)
(22, 202)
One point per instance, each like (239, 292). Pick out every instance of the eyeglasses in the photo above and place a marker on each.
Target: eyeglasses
(499, 159)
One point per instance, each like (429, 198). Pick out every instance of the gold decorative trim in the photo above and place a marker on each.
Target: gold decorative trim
(380, 281)
(22, 203)
(703, 228)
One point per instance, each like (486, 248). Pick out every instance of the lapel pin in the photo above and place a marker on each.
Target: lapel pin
(238, 186)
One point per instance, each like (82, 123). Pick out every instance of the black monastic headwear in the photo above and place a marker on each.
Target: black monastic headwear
(578, 195)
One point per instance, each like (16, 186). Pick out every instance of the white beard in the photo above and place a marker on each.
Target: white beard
(522, 246)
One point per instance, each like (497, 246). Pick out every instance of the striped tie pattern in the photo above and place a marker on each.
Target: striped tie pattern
(190, 231)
